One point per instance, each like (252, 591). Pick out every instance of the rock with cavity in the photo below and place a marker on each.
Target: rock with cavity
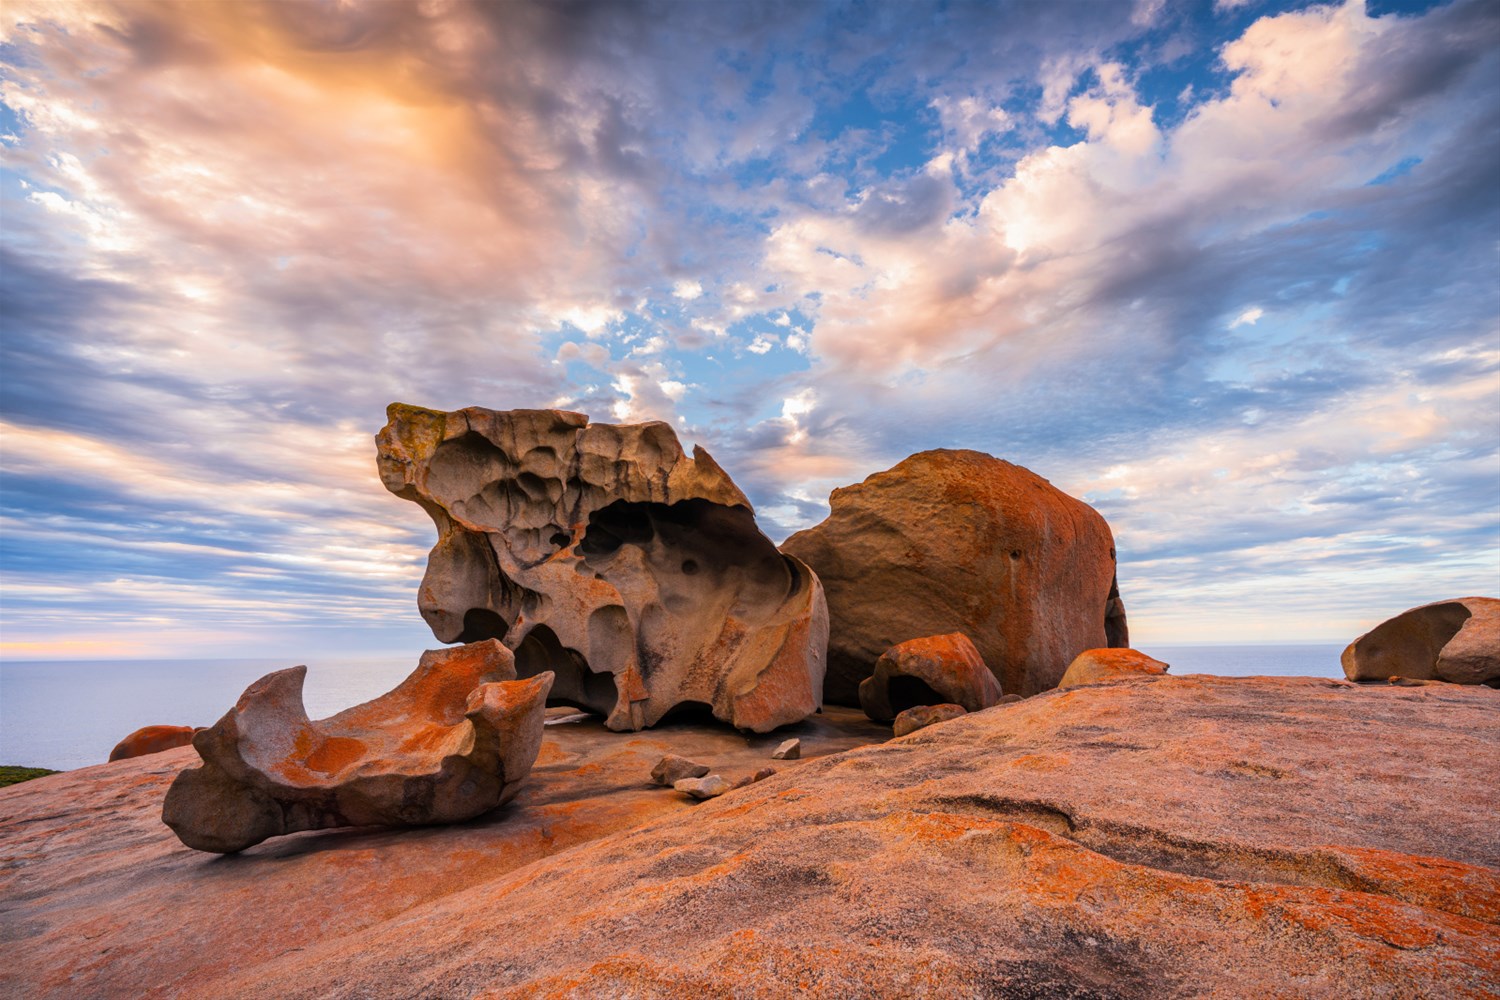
(604, 554)
(1456, 641)
(933, 670)
(672, 769)
(708, 787)
(153, 739)
(922, 716)
(1097, 666)
(958, 541)
(452, 741)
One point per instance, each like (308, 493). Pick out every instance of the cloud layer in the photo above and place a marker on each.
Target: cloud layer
(1226, 271)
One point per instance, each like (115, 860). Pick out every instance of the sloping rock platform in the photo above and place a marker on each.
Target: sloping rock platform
(1157, 837)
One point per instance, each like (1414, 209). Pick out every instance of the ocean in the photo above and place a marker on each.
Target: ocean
(70, 713)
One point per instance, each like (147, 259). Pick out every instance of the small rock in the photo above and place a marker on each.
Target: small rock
(1009, 699)
(672, 769)
(790, 750)
(703, 788)
(923, 716)
(751, 779)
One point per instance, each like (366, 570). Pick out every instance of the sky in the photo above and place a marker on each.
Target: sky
(1227, 270)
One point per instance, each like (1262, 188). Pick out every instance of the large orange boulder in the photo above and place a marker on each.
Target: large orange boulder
(1456, 641)
(960, 541)
(152, 739)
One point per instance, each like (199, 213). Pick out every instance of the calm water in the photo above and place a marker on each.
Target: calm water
(65, 714)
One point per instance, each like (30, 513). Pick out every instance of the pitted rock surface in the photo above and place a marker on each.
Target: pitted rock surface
(603, 553)
(452, 741)
(934, 670)
(1171, 837)
(959, 541)
(1455, 641)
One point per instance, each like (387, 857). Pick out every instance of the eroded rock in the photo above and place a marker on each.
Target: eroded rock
(1096, 666)
(789, 750)
(1456, 641)
(922, 716)
(933, 670)
(602, 553)
(708, 787)
(452, 741)
(152, 739)
(672, 769)
(959, 541)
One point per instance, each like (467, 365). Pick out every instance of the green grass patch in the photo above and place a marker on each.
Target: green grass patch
(15, 775)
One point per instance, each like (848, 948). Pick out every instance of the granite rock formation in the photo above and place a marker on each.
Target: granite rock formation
(958, 541)
(1168, 838)
(602, 553)
(1456, 641)
(152, 739)
(933, 670)
(452, 741)
(1097, 666)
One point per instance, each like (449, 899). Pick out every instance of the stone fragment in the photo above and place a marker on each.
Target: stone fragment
(958, 541)
(152, 739)
(1456, 641)
(672, 769)
(703, 788)
(1097, 666)
(789, 750)
(933, 670)
(922, 716)
(452, 741)
(751, 779)
(602, 553)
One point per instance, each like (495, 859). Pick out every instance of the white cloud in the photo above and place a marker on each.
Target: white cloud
(1248, 317)
(687, 289)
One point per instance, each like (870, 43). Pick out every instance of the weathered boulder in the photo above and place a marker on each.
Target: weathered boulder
(452, 741)
(922, 716)
(672, 769)
(933, 670)
(1095, 666)
(959, 541)
(602, 553)
(1456, 641)
(708, 787)
(152, 739)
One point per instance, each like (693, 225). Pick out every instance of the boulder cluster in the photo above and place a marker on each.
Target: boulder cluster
(599, 566)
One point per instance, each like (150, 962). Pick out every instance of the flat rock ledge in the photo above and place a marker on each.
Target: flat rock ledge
(1171, 837)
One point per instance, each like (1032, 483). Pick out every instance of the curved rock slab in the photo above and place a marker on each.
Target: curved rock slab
(959, 541)
(454, 740)
(1456, 641)
(604, 554)
(933, 670)
(152, 739)
(1099, 666)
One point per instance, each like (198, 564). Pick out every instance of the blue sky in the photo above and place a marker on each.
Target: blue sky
(1227, 270)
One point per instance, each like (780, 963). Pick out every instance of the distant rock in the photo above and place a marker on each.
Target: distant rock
(152, 739)
(602, 553)
(454, 740)
(1096, 666)
(933, 670)
(959, 541)
(672, 769)
(788, 750)
(750, 779)
(708, 787)
(923, 716)
(1457, 641)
